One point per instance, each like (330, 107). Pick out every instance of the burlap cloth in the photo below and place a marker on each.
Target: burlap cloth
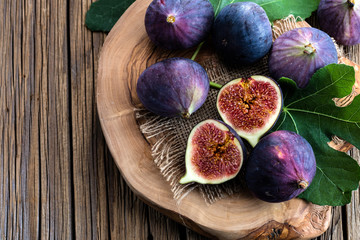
(169, 135)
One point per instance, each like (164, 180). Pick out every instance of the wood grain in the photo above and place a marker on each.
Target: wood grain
(36, 192)
(126, 53)
(57, 176)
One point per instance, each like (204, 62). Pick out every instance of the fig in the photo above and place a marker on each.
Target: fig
(214, 153)
(280, 167)
(178, 24)
(242, 33)
(299, 53)
(173, 87)
(341, 20)
(251, 106)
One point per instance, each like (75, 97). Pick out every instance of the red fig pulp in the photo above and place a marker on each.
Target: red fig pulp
(214, 153)
(251, 106)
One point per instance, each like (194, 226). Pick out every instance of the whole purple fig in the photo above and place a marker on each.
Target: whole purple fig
(242, 33)
(178, 24)
(280, 167)
(341, 20)
(173, 87)
(299, 53)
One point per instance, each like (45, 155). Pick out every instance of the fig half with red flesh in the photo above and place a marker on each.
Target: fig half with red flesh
(214, 153)
(251, 106)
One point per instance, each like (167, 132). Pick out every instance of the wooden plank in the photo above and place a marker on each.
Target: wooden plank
(191, 235)
(353, 53)
(14, 120)
(104, 206)
(99, 146)
(35, 152)
(352, 227)
(335, 230)
(7, 124)
(54, 160)
(32, 152)
(162, 227)
(127, 213)
(352, 211)
(85, 163)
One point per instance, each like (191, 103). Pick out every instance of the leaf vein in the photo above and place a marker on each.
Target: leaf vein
(355, 112)
(329, 179)
(293, 120)
(283, 120)
(218, 8)
(321, 114)
(318, 91)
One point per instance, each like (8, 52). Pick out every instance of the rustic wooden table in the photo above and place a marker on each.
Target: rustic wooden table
(57, 177)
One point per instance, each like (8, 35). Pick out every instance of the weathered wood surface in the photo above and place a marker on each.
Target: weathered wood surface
(57, 177)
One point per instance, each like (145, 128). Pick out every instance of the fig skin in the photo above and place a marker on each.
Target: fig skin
(178, 24)
(174, 87)
(299, 53)
(280, 167)
(251, 106)
(242, 33)
(214, 153)
(341, 20)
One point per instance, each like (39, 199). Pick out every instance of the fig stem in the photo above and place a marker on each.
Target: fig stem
(215, 85)
(303, 184)
(186, 115)
(309, 49)
(197, 51)
(170, 19)
(212, 84)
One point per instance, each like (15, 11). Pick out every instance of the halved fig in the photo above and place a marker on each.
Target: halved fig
(251, 106)
(280, 167)
(299, 53)
(214, 153)
(174, 87)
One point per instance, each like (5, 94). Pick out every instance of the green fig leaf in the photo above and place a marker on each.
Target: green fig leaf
(103, 14)
(276, 9)
(312, 113)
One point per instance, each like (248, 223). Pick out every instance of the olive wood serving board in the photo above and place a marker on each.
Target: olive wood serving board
(127, 51)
